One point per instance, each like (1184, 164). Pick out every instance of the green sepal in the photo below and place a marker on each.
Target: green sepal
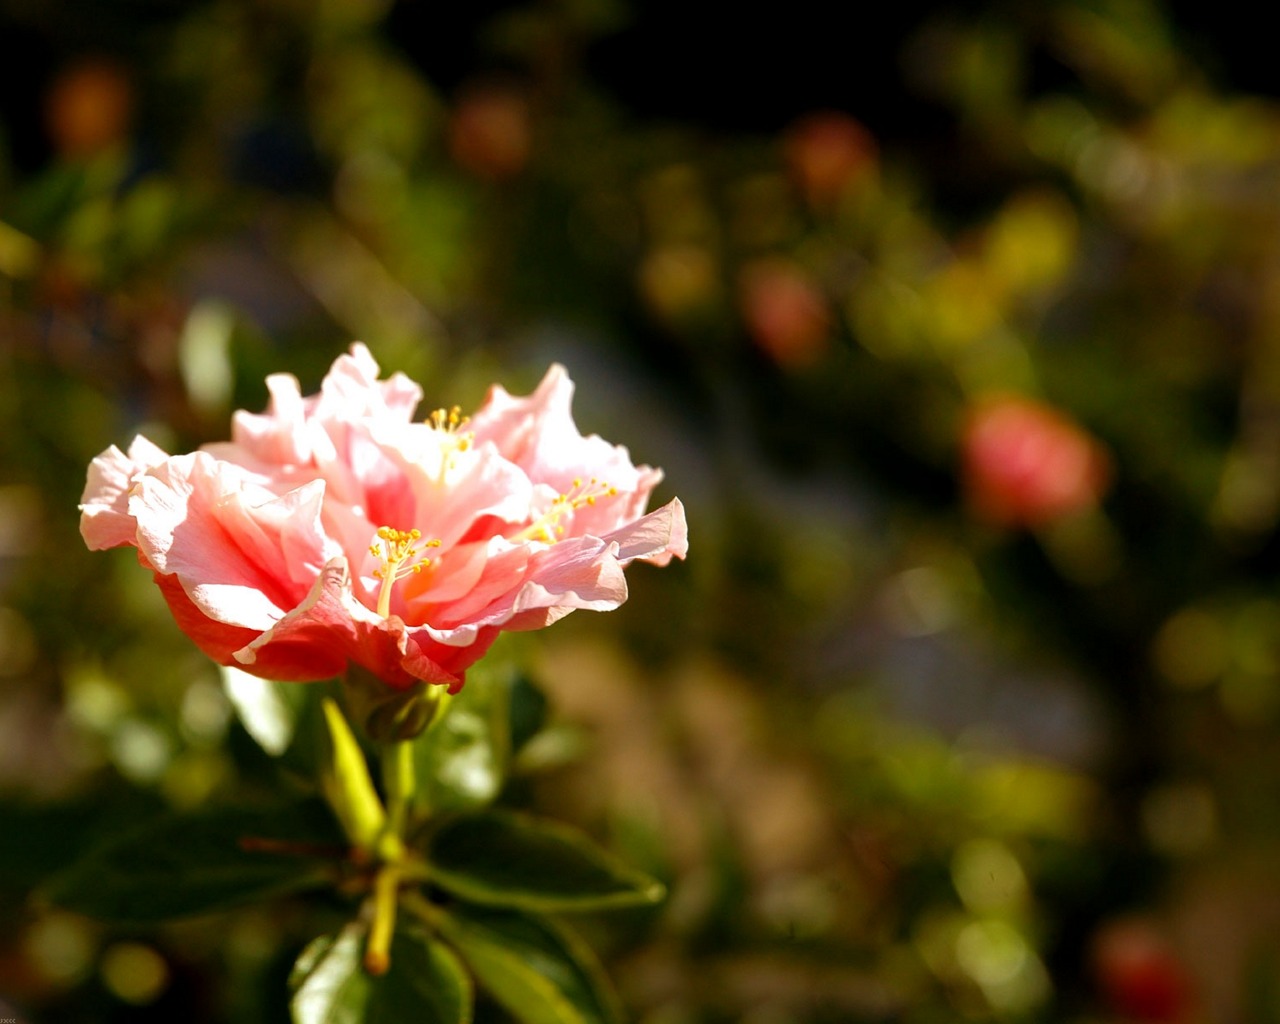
(181, 866)
(389, 715)
(504, 859)
(347, 784)
(541, 972)
(425, 983)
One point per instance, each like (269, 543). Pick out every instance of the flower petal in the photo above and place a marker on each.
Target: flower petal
(328, 629)
(657, 538)
(244, 556)
(105, 521)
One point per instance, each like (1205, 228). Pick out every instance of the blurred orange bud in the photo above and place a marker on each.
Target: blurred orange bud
(88, 108)
(828, 151)
(1026, 464)
(491, 132)
(785, 313)
(1139, 975)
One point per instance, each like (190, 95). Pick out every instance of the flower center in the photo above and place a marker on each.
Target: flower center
(547, 527)
(401, 555)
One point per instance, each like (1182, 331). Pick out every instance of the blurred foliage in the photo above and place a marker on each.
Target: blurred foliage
(896, 761)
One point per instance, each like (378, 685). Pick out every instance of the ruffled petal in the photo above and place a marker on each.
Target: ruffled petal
(586, 572)
(656, 538)
(243, 555)
(537, 433)
(329, 628)
(105, 521)
(351, 391)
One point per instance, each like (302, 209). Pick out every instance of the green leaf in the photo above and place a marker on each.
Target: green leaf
(346, 781)
(541, 972)
(269, 711)
(511, 860)
(461, 759)
(177, 867)
(528, 710)
(425, 983)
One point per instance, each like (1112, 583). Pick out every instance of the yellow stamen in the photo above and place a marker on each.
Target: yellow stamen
(400, 558)
(547, 527)
(449, 422)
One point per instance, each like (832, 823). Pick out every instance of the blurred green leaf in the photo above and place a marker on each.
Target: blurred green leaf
(528, 711)
(511, 860)
(542, 973)
(461, 760)
(182, 866)
(40, 840)
(424, 984)
(268, 710)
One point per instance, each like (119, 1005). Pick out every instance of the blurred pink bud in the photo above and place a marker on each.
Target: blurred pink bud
(1026, 464)
(785, 313)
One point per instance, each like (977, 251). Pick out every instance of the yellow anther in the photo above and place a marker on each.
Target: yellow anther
(401, 556)
(449, 423)
(548, 526)
(448, 419)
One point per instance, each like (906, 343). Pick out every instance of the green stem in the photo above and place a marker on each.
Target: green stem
(386, 890)
(399, 782)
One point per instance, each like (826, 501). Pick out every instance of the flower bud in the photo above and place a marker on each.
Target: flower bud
(387, 715)
(1139, 975)
(785, 313)
(1026, 464)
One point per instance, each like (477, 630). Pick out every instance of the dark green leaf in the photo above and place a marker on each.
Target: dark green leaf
(275, 713)
(461, 760)
(425, 983)
(512, 860)
(528, 710)
(541, 972)
(176, 867)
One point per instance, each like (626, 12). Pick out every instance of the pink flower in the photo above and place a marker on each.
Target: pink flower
(1026, 464)
(334, 529)
(785, 313)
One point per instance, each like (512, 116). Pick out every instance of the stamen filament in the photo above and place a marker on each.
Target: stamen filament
(400, 558)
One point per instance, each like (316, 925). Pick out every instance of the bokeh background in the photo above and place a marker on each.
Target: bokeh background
(958, 332)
